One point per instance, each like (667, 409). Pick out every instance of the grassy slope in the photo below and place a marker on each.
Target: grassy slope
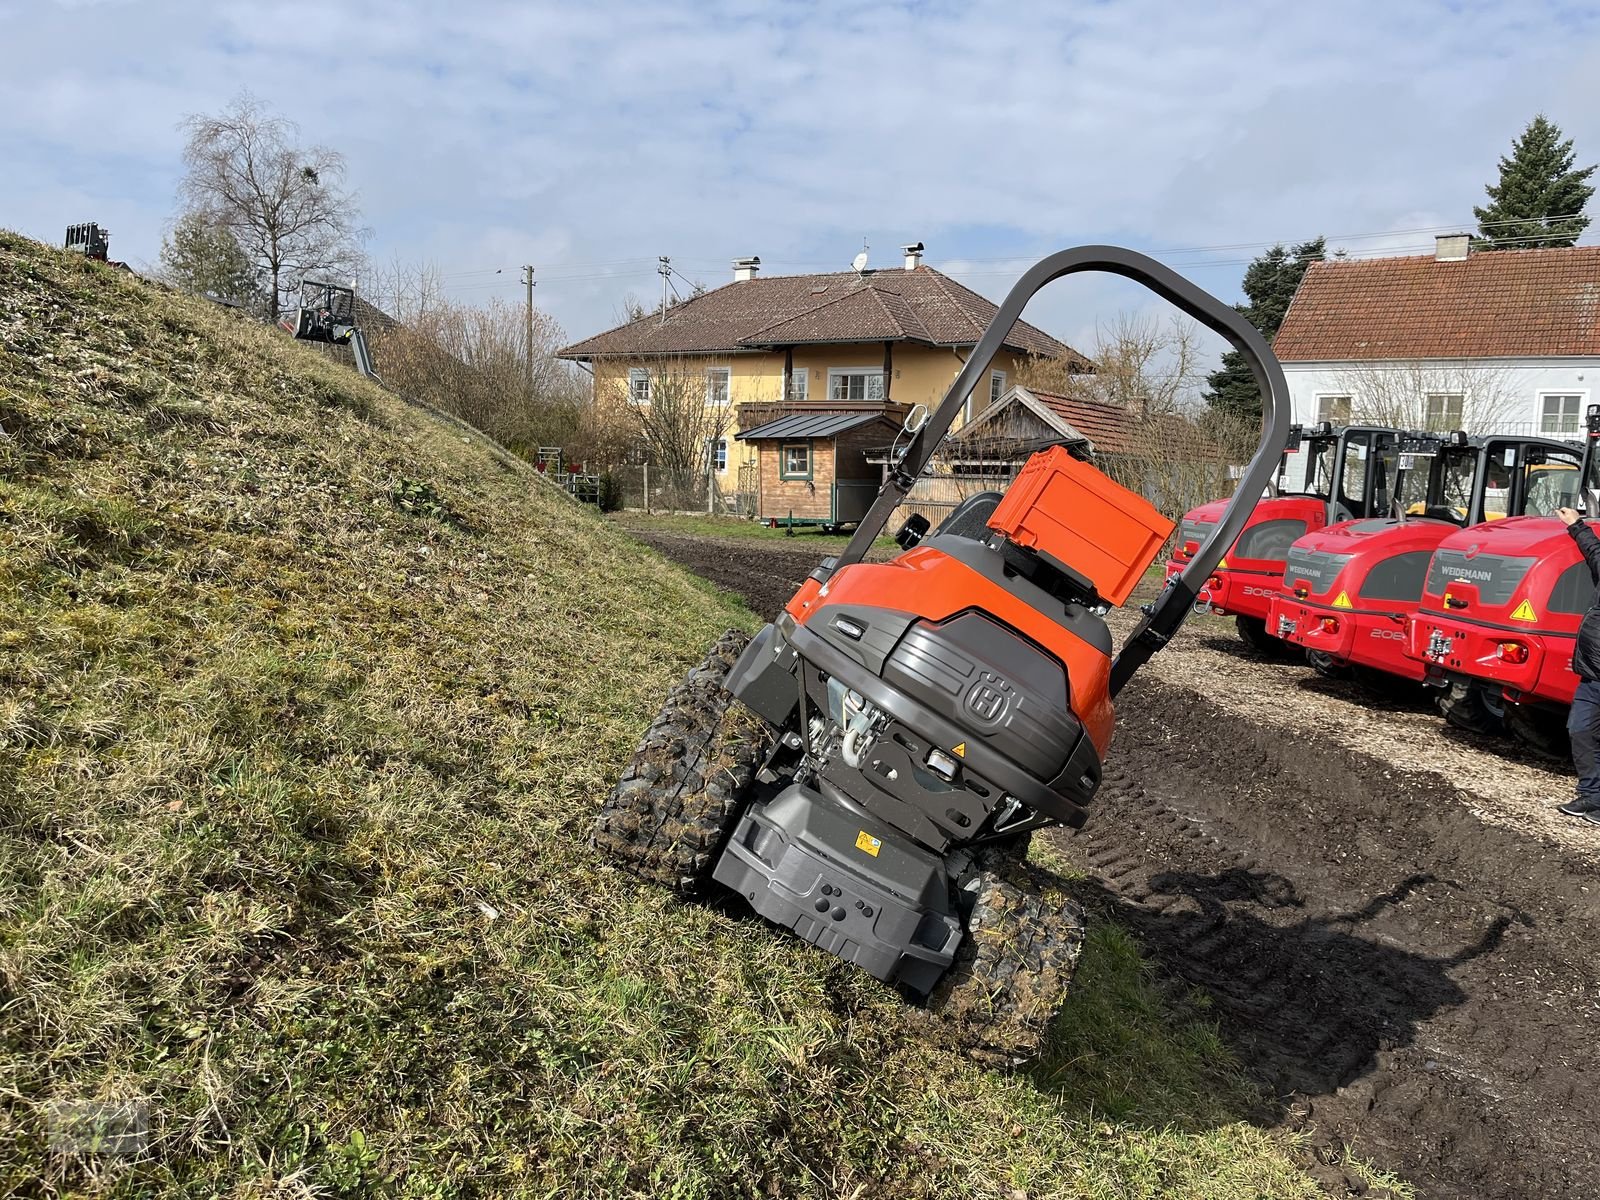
(305, 703)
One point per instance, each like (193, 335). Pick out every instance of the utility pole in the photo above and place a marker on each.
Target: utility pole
(665, 271)
(527, 278)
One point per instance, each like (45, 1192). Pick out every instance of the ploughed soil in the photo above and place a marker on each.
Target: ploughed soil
(1399, 936)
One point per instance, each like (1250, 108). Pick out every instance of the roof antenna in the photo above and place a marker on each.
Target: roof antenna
(859, 263)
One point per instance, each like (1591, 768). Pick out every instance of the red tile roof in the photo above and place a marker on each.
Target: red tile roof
(1109, 429)
(919, 305)
(1500, 303)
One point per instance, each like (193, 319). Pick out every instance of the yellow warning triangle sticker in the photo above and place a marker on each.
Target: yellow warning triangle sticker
(1525, 612)
(959, 749)
(1221, 563)
(1343, 601)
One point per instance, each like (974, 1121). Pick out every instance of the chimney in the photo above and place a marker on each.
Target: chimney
(1452, 247)
(913, 255)
(745, 268)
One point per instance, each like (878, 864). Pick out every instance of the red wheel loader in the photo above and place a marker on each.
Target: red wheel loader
(1502, 603)
(1349, 589)
(867, 770)
(1328, 473)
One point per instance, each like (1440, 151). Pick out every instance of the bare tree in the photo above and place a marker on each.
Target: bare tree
(1429, 394)
(1141, 364)
(679, 416)
(473, 361)
(286, 205)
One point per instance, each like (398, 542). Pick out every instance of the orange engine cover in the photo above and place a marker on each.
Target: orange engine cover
(1074, 515)
(931, 584)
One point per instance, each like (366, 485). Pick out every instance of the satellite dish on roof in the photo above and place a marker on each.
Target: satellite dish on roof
(859, 263)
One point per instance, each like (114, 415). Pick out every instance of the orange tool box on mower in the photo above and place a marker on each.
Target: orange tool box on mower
(1081, 521)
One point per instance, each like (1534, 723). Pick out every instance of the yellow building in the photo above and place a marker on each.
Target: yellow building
(897, 336)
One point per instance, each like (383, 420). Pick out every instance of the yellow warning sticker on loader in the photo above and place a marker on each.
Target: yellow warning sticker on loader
(865, 841)
(1343, 600)
(959, 749)
(1222, 564)
(1525, 612)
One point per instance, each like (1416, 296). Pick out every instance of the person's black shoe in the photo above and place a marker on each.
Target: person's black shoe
(1579, 807)
(1592, 816)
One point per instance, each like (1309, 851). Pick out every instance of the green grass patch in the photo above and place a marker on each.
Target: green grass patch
(802, 537)
(306, 704)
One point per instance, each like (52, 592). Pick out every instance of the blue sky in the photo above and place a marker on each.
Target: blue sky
(590, 138)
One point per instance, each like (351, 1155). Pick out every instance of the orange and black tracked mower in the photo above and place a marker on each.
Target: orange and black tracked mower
(867, 770)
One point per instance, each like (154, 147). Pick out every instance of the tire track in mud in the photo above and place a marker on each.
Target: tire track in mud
(1404, 977)
(1401, 977)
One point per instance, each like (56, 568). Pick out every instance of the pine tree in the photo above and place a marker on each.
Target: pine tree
(1539, 200)
(201, 255)
(1270, 283)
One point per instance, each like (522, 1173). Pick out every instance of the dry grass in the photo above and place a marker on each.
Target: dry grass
(306, 701)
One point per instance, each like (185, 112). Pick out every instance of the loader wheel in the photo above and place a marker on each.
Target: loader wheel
(1253, 633)
(1014, 967)
(1466, 707)
(680, 795)
(1541, 728)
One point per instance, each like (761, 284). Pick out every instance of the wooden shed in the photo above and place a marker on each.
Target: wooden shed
(812, 465)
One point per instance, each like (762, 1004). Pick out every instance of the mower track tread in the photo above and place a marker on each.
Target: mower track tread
(680, 793)
(1014, 968)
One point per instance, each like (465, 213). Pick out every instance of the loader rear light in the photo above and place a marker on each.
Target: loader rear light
(1328, 624)
(1514, 653)
(1214, 584)
(1189, 548)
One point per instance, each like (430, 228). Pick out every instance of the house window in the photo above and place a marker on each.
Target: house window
(639, 385)
(717, 387)
(1558, 413)
(1333, 409)
(997, 386)
(855, 385)
(794, 460)
(1442, 410)
(719, 454)
(799, 383)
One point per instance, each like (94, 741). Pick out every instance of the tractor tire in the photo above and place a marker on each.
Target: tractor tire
(1014, 968)
(1253, 633)
(1465, 706)
(1541, 728)
(680, 795)
(1326, 665)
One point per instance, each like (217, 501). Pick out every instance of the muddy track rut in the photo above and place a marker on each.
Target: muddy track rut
(1405, 974)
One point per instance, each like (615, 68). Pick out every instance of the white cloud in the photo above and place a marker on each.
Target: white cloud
(590, 138)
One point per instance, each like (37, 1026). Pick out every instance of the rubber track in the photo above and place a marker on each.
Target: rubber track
(1014, 968)
(678, 796)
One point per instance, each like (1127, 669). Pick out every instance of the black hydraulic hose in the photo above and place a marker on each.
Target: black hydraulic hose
(1164, 617)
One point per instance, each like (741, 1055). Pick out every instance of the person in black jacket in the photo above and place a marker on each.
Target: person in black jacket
(1584, 722)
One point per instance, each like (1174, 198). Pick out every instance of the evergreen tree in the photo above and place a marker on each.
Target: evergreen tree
(1539, 200)
(201, 255)
(1269, 283)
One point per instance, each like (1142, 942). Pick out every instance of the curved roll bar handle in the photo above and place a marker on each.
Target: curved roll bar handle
(1167, 614)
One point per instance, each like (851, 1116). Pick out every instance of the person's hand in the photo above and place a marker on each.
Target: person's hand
(1569, 516)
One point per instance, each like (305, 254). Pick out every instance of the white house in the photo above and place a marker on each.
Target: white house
(1504, 341)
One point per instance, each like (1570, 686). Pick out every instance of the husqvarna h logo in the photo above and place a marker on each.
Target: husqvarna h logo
(989, 698)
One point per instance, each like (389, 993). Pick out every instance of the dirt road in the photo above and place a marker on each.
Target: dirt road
(1398, 934)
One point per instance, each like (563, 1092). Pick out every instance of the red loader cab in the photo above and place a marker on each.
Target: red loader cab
(1349, 590)
(1325, 475)
(1500, 611)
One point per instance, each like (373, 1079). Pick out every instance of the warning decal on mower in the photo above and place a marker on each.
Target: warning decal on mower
(865, 841)
(959, 749)
(1342, 600)
(1525, 612)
